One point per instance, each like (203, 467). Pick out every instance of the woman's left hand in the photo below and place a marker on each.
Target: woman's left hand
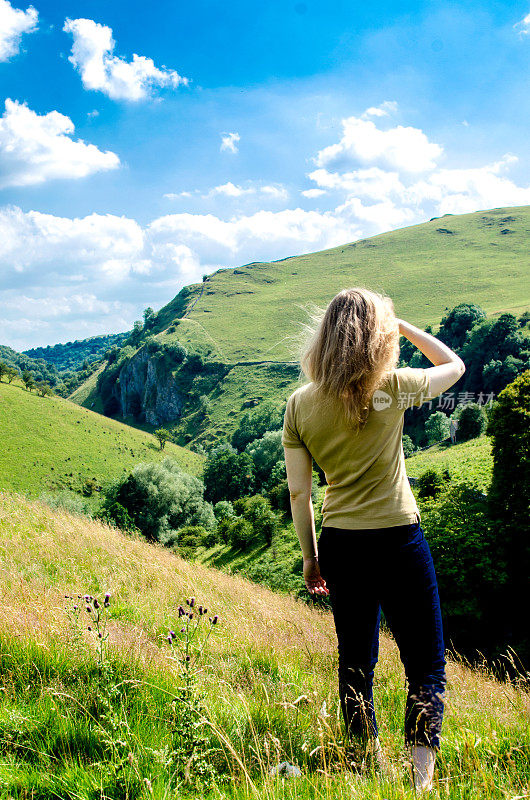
(313, 579)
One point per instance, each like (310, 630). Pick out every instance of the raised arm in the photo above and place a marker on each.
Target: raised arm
(448, 366)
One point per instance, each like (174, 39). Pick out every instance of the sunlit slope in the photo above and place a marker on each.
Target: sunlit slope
(470, 460)
(254, 311)
(51, 443)
(270, 667)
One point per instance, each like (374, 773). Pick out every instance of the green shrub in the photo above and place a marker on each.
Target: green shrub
(430, 484)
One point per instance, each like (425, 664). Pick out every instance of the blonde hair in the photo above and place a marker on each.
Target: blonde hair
(350, 347)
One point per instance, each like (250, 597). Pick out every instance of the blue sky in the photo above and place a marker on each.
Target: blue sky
(143, 147)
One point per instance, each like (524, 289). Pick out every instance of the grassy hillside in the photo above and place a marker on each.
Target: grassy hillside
(69, 730)
(50, 443)
(466, 460)
(253, 311)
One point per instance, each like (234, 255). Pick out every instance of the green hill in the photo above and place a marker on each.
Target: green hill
(466, 460)
(49, 443)
(244, 321)
(266, 680)
(251, 312)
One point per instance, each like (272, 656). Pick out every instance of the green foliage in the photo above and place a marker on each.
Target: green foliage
(470, 563)
(430, 483)
(265, 452)
(408, 446)
(160, 499)
(491, 340)
(255, 422)
(437, 427)
(224, 509)
(240, 533)
(455, 325)
(163, 436)
(68, 501)
(471, 421)
(227, 473)
(258, 511)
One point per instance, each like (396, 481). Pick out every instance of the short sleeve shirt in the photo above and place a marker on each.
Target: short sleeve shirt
(367, 485)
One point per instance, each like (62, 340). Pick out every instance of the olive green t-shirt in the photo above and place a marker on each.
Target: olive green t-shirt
(365, 471)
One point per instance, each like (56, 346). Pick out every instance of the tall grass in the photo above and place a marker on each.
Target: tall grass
(266, 687)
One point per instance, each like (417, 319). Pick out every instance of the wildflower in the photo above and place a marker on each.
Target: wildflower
(214, 620)
(75, 608)
(200, 610)
(205, 611)
(89, 628)
(106, 602)
(173, 634)
(190, 615)
(96, 604)
(188, 658)
(88, 609)
(192, 602)
(181, 611)
(170, 640)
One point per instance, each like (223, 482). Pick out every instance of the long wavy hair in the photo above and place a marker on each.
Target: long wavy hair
(350, 347)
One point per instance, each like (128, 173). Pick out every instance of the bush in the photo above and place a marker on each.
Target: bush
(160, 499)
(240, 533)
(223, 509)
(430, 484)
(68, 501)
(257, 510)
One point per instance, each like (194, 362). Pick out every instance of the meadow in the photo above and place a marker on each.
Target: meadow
(79, 720)
(49, 443)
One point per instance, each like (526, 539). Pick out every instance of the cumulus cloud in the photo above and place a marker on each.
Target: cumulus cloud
(118, 267)
(92, 55)
(35, 148)
(403, 148)
(14, 23)
(229, 142)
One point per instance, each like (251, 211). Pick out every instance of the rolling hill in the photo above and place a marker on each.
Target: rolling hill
(49, 443)
(246, 322)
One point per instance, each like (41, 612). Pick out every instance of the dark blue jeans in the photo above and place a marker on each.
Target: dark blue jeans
(389, 569)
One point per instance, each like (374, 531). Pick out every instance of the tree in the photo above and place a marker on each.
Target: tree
(471, 421)
(408, 446)
(163, 436)
(265, 452)
(43, 388)
(437, 427)
(509, 500)
(3, 369)
(227, 473)
(455, 325)
(28, 380)
(160, 498)
(11, 374)
(257, 510)
(149, 317)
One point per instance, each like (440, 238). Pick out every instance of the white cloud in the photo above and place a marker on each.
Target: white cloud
(100, 271)
(102, 71)
(459, 191)
(311, 193)
(35, 148)
(14, 23)
(229, 142)
(374, 183)
(386, 108)
(233, 190)
(403, 148)
(523, 27)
